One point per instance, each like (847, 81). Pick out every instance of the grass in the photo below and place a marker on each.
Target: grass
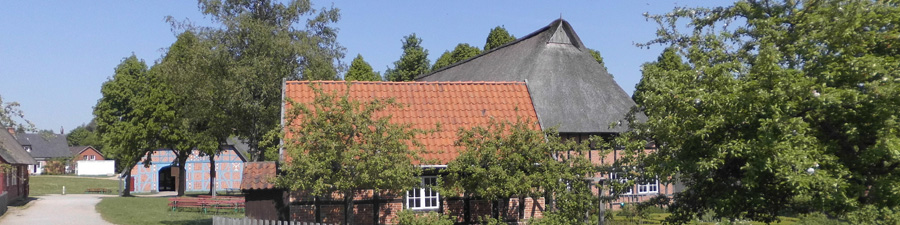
(152, 210)
(658, 218)
(46, 184)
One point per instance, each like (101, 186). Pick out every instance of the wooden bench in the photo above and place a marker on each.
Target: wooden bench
(236, 204)
(98, 190)
(187, 202)
(206, 202)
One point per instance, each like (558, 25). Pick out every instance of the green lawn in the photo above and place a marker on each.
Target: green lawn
(151, 210)
(46, 184)
(657, 218)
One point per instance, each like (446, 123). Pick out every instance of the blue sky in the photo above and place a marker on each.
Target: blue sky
(55, 55)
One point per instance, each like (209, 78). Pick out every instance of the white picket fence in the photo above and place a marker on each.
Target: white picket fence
(247, 221)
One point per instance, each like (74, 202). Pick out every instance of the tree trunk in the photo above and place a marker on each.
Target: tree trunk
(601, 217)
(212, 175)
(126, 191)
(495, 209)
(348, 207)
(182, 172)
(467, 214)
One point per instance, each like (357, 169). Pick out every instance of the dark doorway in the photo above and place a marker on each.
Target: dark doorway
(166, 180)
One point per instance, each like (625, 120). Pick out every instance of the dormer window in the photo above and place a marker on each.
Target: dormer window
(27, 148)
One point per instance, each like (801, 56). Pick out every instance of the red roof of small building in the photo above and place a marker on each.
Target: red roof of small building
(453, 105)
(257, 175)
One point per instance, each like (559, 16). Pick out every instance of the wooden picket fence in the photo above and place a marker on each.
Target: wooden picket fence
(218, 220)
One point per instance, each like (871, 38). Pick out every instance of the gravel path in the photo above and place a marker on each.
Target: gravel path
(57, 209)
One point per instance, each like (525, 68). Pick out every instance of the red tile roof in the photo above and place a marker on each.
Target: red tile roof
(454, 105)
(257, 175)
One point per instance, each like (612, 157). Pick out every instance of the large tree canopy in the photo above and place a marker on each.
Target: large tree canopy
(781, 106)
(135, 115)
(193, 72)
(413, 62)
(264, 42)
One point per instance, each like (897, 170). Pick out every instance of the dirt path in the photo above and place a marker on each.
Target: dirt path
(57, 209)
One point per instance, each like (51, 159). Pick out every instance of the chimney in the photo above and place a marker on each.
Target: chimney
(11, 130)
(61, 130)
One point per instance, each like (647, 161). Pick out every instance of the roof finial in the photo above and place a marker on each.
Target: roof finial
(560, 16)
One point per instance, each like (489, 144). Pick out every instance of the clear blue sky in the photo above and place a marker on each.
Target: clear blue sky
(55, 55)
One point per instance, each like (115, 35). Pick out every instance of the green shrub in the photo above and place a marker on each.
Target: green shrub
(408, 217)
(875, 215)
(817, 218)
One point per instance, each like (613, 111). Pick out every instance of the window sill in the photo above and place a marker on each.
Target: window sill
(424, 210)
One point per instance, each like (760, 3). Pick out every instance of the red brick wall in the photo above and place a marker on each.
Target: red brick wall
(363, 213)
(87, 152)
(19, 189)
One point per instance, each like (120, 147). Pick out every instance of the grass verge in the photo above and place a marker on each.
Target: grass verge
(149, 210)
(46, 184)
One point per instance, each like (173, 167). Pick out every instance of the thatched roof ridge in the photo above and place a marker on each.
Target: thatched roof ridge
(569, 88)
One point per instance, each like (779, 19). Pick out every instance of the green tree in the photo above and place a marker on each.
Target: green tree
(265, 42)
(134, 116)
(361, 70)
(784, 106)
(190, 69)
(497, 37)
(339, 145)
(413, 62)
(85, 135)
(596, 55)
(669, 62)
(506, 159)
(462, 52)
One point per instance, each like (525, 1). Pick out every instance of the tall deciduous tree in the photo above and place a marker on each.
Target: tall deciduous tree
(361, 70)
(506, 159)
(784, 106)
(135, 115)
(264, 43)
(337, 144)
(413, 62)
(497, 37)
(461, 52)
(193, 72)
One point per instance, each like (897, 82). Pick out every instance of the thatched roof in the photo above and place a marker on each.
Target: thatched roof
(568, 87)
(11, 151)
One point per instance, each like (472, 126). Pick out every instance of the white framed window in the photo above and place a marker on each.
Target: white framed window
(614, 177)
(27, 148)
(90, 157)
(423, 197)
(649, 187)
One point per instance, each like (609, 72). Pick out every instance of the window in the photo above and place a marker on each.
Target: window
(27, 148)
(615, 177)
(423, 197)
(89, 157)
(651, 186)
